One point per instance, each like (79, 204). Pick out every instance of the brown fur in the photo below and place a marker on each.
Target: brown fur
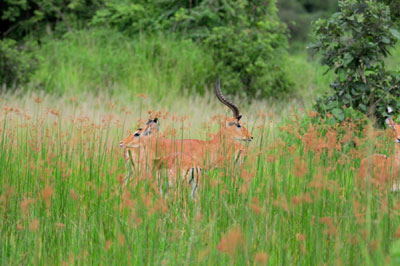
(381, 169)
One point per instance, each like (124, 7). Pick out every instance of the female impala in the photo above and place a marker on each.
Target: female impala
(381, 168)
(142, 157)
(131, 146)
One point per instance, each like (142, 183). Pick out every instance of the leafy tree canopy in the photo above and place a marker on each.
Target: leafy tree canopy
(353, 43)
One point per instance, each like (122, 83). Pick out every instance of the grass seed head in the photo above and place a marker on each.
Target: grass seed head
(47, 194)
(34, 225)
(24, 205)
(231, 241)
(261, 258)
(121, 239)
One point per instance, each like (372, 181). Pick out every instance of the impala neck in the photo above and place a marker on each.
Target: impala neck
(397, 152)
(221, 138)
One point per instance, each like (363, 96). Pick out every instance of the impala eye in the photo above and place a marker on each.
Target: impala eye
(136, 135)
(238, 125)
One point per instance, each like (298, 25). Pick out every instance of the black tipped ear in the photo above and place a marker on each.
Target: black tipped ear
(155, 120)
(238, 117)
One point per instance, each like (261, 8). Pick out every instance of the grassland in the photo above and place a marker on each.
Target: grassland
(163, 67)
(297, 198)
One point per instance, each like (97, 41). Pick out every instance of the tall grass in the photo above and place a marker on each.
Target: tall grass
(296, 199)
(311, 79)
(164, 67)
(105, 60)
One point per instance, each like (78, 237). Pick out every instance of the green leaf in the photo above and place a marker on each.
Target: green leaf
(342, 75)
(363, 107)
(338, 114)
(347, 59)
(385, 40)
(395, 33)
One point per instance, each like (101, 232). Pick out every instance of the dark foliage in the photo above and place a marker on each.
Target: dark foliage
(16, 63)
(299, 14)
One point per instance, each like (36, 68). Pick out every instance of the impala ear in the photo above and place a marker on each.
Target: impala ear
(390, 123)
(157, 122)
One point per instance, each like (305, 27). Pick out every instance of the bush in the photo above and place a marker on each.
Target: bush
(353, 43)
(247, 62)
(245, 38)
(126, 17)
(247, 42)
(16, 64)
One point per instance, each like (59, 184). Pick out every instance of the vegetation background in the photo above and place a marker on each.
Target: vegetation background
(139, 44)
(77, 76)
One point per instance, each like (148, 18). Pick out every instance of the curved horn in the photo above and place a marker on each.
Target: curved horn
(222, 99)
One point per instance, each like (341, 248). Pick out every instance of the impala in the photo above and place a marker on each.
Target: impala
(224, 142)
(383, 169)
(188, 156)
(131, 146)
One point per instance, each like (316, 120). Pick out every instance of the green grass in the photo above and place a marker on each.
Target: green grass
(294, 201)
(163, 67)
(105, 60)
(311, 79)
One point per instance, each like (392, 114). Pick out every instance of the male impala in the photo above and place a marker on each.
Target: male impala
(195, 154)
(379, 167)
(223, 143)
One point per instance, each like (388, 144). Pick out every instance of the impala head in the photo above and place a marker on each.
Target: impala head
(396, 128)
(234, 127)
(133, 140)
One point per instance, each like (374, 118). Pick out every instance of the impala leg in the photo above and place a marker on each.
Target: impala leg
(128, 174)
(396, 187)
(161, 184)
(130, 167)
(193, 181)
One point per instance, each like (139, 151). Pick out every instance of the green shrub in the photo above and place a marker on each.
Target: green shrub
(247, 61)
(353, 43)
(245, 38)
(394, 9)
(16, 64)
(247, 42)
(126, 16)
